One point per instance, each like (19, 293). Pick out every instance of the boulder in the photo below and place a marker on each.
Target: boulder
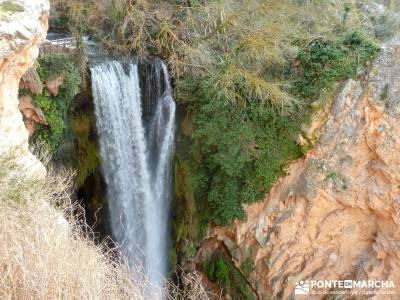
(31, 81)
(53, 86)
(32, 114)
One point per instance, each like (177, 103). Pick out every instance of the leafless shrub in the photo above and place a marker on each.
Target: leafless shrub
(45, 253)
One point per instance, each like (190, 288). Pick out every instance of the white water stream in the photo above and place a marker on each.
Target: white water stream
(136, 160)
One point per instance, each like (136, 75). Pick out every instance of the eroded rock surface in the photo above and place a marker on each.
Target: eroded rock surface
(31, 81)
(336, 215)
(23, 26)
(32, 115)
(53, 86)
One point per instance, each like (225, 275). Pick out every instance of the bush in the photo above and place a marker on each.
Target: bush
(52, 135)
(46, 250)
(56, 108)
(232, 282)
(218, 271)
(240, 150)
(325, 62)
(230, 61)
(53, 65)
(248, 266)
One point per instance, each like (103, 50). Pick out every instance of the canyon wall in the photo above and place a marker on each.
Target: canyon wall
(336, 215)
(23, 27)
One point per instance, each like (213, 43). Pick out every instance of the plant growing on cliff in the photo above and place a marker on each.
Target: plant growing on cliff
(242, 162)
(247, 72)
(221, 270)
(56, 108)
(324, 62)
(243, 150)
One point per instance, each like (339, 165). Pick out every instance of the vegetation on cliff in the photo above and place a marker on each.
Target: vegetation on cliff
(248, 73)
(56, 108)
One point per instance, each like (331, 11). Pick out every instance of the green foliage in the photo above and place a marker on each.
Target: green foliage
(325, 62)
(88, 156)
(218, 271)
(240, 151)
(221, 270)
(247, 266)
(55, 108)
(54, 65)
(52, 134)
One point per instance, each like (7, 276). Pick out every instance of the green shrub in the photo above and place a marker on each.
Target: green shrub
(240, 152)
(221, 270)
(52, 66)
(218, 271)
(247, 266)
(55, 108)
(52, 134)
(325, 62)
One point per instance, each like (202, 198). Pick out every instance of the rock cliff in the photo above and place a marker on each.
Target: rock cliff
(336, 215)
(23, 26)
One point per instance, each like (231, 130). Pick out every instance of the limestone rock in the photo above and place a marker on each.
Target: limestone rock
(336, 215)
(23, 26)
(31, 81)
(53, 86)
(32, 114)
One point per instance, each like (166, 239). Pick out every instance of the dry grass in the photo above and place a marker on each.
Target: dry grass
(229, 43)
(45, 253)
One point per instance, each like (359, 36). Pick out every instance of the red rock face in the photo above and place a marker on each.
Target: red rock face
(336, 215)
(21, 34)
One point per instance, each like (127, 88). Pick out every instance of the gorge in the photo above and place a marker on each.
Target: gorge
(199, 149)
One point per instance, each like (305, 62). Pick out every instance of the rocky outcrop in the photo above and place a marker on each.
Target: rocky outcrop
(32, 114)
(336, 215)
(53, 86)
(31, 81)
(23, 26)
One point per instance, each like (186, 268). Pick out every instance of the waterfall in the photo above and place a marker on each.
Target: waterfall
(135, 119)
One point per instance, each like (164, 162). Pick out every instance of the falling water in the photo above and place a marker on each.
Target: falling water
(135, 118)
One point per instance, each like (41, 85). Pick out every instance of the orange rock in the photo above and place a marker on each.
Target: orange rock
(53, 86)
(31, 81)
(336, 215)
(32, 114)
